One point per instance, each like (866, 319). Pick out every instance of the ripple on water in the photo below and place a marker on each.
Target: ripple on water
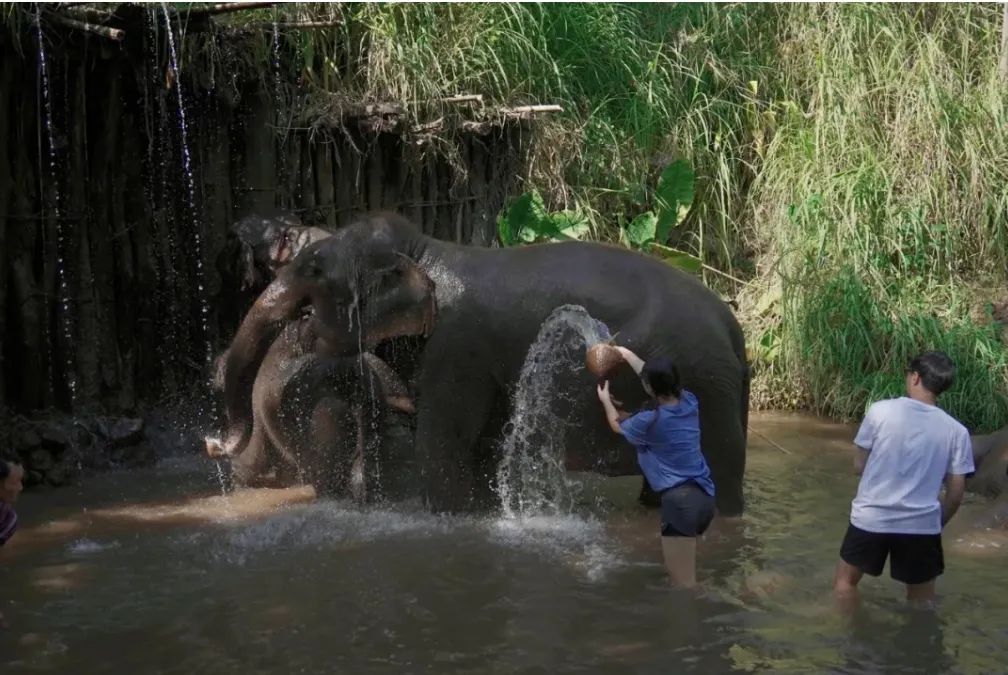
(89, 546)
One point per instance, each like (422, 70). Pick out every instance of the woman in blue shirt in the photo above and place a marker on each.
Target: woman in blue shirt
(667, 439)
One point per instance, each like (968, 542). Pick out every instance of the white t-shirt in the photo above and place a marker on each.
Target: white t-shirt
(912, 446)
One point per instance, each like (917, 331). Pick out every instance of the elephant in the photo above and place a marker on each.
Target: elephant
(303, 401)
(315, 417)
(990, 457)
(377, 296)
(491, 303)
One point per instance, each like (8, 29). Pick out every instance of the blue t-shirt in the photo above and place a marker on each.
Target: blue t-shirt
(668, 450)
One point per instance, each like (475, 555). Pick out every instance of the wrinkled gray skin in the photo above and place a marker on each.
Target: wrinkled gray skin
(990, 457)
(316, 372)
(491, 304)
(316, 417)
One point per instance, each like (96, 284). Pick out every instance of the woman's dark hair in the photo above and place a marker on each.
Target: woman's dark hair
(662, 375)
(936, 370)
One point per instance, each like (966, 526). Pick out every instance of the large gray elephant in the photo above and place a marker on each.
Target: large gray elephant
(990, 456)
(491, 304)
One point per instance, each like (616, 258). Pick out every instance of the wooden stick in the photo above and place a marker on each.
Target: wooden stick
(463, 98)
(226, 7)
(110, 33)
(771, 442)
(304, 24)
(428, 127)
(88, 14)
(530, 109)
(1003, 63)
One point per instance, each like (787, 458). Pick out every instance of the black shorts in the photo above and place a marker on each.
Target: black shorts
(686, 510)
(913, 558)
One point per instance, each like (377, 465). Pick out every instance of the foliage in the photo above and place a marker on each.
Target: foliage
(856, 345)
(526, 220)
(830, 143)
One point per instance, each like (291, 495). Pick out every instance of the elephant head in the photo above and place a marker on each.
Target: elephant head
(359, 291)
(260, 245)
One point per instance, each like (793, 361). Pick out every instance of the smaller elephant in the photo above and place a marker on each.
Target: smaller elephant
(266, 243)
(315, 418)
(990, 456)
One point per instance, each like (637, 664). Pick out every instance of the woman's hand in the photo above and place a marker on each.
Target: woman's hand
(603, 392)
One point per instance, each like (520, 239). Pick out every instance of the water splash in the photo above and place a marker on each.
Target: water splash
(63, 296)
(191, 192)
(278, 102)
(158, 150)
(531, 478)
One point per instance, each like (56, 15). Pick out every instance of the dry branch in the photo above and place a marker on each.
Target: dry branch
(226, 7)
(330, 23)
(464, 98)
(531, 109)
(116, 34)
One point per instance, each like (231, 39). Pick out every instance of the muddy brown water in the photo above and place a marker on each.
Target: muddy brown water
(154, 572)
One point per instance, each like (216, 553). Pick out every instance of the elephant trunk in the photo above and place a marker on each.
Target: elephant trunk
(280, 301)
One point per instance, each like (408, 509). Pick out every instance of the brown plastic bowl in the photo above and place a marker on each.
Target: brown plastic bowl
(601, 358)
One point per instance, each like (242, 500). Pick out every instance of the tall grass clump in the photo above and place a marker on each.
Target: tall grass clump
(880, 206)
(856, 346)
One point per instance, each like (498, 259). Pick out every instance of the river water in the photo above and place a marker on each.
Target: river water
(153, 571)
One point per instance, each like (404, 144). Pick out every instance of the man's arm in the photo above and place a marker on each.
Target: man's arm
(955, 487)
(860, 459)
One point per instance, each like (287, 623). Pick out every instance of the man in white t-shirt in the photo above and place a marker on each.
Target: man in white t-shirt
(907, 448)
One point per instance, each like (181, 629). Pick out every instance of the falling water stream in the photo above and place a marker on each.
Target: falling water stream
(531, 479)
(191, 191)
(63, 292)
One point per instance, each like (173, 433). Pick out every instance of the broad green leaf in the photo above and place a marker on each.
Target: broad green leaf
(677, 258)
(524, 220)
(674, 197)
(641, 229)
(506, 233)
(570, 225)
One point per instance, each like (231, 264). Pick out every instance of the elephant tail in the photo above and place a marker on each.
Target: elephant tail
(744, 404)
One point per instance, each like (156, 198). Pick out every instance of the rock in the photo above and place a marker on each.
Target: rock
(54, 437)
(41, 460)
(82, 436)
(59, 474)
(26, 440)
(121, 432)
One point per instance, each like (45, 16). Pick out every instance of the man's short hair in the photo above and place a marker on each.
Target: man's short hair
(937, 371)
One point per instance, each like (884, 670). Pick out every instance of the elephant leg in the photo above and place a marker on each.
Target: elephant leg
(365, 465)
(447, 434)
(724, 446)
(331, 447)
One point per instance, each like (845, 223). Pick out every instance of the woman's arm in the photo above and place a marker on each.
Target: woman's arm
(632, 359)
(612, 416)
